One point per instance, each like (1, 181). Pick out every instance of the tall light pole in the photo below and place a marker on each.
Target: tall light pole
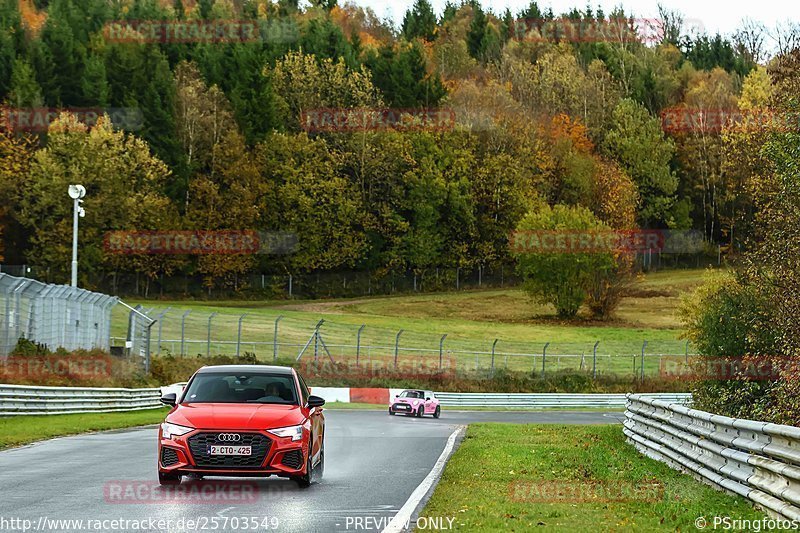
(76, 192)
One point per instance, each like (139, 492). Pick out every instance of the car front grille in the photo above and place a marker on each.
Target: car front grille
(169, 456)
(198, 444)
(401, 407)
(293, 459)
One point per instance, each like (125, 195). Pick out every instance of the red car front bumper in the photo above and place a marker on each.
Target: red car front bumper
(271, 455)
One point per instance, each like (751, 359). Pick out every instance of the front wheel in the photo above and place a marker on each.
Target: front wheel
(304, 481)
(391, 412)
(421, 411)
(169, 479)
(437, 413)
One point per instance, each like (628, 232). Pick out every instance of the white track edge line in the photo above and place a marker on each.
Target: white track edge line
(403, 516)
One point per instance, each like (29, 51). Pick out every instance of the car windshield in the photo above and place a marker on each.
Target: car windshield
(411, 394)
(241, 388)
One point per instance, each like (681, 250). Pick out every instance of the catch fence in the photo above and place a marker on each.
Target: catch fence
(61, 316)
(272, 336)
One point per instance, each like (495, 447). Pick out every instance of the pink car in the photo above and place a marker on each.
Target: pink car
(416, 403)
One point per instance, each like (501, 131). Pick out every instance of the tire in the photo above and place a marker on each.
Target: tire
(321, 466)
(304, 481)
(421, 411)
(391, 412)
(437, 413)
(169, 479)
(310, 476)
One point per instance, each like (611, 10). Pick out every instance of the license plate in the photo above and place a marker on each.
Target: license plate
(404, 407)
(230, 450)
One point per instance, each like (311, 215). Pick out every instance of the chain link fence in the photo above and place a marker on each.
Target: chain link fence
(271, 336)
(61, 316)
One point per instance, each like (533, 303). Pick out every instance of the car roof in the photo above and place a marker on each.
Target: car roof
(256, 369)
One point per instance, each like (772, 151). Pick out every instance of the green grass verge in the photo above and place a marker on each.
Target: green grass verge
(505, 477)
(18, 430)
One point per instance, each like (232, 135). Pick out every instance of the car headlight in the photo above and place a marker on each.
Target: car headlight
(295, 432)
(416, 402)
(169, 430)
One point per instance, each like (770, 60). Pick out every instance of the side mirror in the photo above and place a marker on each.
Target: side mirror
(428, 399)
(169, 399)
(316, 401)
(396, 395)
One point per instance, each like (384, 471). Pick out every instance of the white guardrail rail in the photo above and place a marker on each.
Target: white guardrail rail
(523, 400)
(39, 400)
(757, 460)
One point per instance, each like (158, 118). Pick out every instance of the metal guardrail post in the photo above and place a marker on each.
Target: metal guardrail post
(275, 339)
(544, 357)
(239, 335)
(208, 338)
(397, 347)
(358, 342)
(441, 350)
(594, 360)
(183, 330)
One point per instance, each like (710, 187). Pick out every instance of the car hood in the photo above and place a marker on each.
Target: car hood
(236, 416)
(406, 400)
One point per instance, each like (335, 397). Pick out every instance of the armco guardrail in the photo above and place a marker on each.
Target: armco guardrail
(36, 400)
(757, 460)
(456, 399)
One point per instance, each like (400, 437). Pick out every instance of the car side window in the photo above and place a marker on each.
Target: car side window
(304, 393)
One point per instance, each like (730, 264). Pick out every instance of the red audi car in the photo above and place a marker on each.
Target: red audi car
(243, 420)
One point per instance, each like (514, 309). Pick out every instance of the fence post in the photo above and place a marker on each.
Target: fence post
(275, 339)
(458, 277)
(147, 348)
(316, 340)
(358, 342)
(397, 347)
(494, 344)
(594, 360)
(183, 328)
(544, 356)
(290, 285)
(239, 336)
(441, 350)
(644, 345)
(208, 338)
(160, 324)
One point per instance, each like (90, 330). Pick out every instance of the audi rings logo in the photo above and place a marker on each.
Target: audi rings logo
(229, 437)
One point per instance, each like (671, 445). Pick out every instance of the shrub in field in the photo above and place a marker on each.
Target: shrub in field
(729, 321)
(562, 279)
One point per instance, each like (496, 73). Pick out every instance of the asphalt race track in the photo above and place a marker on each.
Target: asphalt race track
(373, 464)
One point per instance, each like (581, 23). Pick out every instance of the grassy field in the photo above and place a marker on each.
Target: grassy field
(471, 319)
(18, 430)
(509, 477)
